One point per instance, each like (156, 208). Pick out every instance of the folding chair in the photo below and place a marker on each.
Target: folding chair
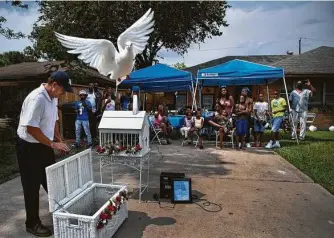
(230, 135)
(155, 131)
(310, 118)
(195, 134)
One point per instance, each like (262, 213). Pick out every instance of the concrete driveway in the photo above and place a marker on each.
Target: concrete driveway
(261, 195)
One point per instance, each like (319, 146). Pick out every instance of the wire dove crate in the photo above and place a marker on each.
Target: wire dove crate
(77, 203)
(125, 129)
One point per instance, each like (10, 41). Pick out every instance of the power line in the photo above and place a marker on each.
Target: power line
(252, 45)
(246, 46)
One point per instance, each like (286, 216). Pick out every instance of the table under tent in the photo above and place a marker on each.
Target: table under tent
(161, 78)
(239, 72)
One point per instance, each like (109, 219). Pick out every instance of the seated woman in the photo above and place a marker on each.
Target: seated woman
(188, 126)
(199, 123)
(161, 121)
(221, 122)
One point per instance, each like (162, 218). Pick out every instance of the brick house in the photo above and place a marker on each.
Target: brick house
(18, 80)
(316, 65)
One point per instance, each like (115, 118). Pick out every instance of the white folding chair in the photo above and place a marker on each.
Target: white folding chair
(155, 131)
(310, 118)
(195, 134)
(230, 135)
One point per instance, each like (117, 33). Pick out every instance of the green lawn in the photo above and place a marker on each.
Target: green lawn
(314, 156)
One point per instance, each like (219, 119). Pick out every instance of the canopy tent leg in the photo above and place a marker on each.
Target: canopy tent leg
(194, 95)
(268, 97)
(290, 116)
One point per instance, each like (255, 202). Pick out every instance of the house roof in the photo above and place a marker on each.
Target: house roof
(33, 69)
(259, 59)
(316, 61)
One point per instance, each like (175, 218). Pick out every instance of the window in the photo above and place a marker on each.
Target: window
(289, 85)
(318, 84)
(181, 101)
(329, 91)
(208, 102)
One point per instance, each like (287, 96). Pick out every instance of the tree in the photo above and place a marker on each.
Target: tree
(16, 57)
(5, 31)
(179, 65)
(177, 24)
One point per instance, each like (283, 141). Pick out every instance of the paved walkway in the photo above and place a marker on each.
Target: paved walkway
(261, 195)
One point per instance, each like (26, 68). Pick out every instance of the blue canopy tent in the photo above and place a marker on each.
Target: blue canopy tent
(161, 78)
(240, 72)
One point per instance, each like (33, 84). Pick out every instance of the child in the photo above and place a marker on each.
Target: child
(242, 113)
(188, 126)
(199, 122)
(260, 114)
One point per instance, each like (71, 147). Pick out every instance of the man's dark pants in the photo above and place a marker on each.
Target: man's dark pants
(33, 158)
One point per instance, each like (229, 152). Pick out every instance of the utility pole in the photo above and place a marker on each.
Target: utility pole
(300, 45)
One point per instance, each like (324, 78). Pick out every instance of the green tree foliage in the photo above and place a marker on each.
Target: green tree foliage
(179, 65)
(5, 31)
(177, 24)
(16, 57)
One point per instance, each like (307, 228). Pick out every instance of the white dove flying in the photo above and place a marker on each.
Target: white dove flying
(102, 55)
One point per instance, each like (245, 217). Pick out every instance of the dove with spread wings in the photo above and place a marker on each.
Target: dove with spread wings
(102, 55)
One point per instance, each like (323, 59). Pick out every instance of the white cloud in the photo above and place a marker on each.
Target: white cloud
(266, 31)
(261, 28)
(18, 20)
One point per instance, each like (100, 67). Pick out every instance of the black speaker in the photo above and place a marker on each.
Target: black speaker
(166, 179)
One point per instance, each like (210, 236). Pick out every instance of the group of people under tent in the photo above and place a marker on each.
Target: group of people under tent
(243, 116)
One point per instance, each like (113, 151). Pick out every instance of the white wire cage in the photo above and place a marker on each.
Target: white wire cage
(125, 130)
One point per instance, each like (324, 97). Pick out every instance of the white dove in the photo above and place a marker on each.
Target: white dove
(102, 55)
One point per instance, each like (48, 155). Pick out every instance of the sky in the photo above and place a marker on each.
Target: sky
(256, 28)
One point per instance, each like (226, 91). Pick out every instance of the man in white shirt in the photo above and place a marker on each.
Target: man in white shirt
(91, 97)
(38, 135)
(299, 104)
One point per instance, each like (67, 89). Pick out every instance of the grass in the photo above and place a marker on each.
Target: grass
(9, 167)
(8, 161)
(314, 156)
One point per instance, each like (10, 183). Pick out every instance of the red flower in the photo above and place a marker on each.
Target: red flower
(103, 216)
(121, 148)
(118, 198)
(111, 208)
(109, 216)
(100, 225)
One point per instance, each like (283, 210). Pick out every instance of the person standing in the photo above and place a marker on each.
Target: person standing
(241, 124)
(125, 100)
(98, 102)
(92, 118)
(249, 104)
(299, 105)
(226, 101)
(82, 108)
(260, 115)
(278, 107)
(38, 136)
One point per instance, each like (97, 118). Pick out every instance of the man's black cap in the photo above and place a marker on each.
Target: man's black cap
(62, 79)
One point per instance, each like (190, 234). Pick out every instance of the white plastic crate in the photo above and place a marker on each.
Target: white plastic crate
(76, 202)
(127, 129)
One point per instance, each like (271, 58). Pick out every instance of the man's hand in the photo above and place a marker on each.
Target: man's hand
(60, 146)
(308, 83)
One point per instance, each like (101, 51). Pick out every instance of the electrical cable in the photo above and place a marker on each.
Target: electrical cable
(204, 205)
